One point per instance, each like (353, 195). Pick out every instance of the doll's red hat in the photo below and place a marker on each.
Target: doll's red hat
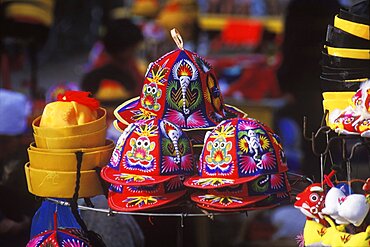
(135, 198)
(149, 152)
(237, 151)
(182, 88)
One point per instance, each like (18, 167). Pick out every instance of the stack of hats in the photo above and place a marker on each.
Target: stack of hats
(148, 165)
(242, 167)
(69, 145)
(346, 59)
(180, 87)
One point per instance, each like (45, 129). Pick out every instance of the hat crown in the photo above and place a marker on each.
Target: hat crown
(153, 147)
(239, 148)
(182, 88)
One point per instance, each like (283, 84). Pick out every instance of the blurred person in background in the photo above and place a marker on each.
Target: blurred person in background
(118, 78)
(114, 78)
(299, 74)
(17, 205)
(115, 74)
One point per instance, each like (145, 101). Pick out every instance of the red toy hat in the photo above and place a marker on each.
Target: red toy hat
(135, 198)
(149, 152)
(237, 151)
(233, 200)
(182, 88)
(242, 209)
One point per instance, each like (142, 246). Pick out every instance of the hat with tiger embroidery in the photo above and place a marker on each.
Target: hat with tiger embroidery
(143, 197)
(149, 152)
(237, 151)
(180, 87)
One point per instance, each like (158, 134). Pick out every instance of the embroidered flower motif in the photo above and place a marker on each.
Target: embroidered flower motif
(264, 142)
(300, 240)
(141, 200)
(213, 181)
(277, 181)
(243, 145)
(133, 177)
(35, 241)
(223, 200)
(73, 243)
(142, 114)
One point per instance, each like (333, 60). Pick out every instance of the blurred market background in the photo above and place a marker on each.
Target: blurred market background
(265, 52)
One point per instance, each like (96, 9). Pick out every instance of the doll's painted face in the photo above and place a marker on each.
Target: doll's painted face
(346, 122)
(311, 201)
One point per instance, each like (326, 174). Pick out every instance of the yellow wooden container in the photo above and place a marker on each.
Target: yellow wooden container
(58, 184)
(74, 130)
(91, 140)
(66, 161)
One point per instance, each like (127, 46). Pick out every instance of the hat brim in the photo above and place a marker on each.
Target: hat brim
(199, 182)
(227, 200)
(124, 113)
(128, 179)
(242, 209)
(122, 202)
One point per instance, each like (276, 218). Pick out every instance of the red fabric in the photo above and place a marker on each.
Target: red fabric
(80, 97)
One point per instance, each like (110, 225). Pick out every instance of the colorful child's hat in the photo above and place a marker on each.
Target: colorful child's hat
(60, 237)
(180, 87)
(135, 198)
(237, 151)
(149, 152)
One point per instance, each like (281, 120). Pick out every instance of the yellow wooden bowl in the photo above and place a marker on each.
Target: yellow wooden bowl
(91, 140)
(108, 144)
(46, 183)
(338, 95)
(58, 161)
(74, 130)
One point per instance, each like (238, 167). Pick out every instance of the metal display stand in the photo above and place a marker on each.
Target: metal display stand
(348, 145)
(190, 210)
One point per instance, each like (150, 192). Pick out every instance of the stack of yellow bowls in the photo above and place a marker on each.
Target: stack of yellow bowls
(51, 171)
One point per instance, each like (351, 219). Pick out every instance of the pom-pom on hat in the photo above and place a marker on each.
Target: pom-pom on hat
(135, 198)
(237, 151)
(149, 152)
(180, 87)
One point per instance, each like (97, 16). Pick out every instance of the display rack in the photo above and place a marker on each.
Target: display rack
(348, 146)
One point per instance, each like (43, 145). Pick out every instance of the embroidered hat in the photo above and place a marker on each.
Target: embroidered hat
(134, 198)
(149, 152)
(60, 237)
(237, 151)
(233, 202)
(180, 87)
